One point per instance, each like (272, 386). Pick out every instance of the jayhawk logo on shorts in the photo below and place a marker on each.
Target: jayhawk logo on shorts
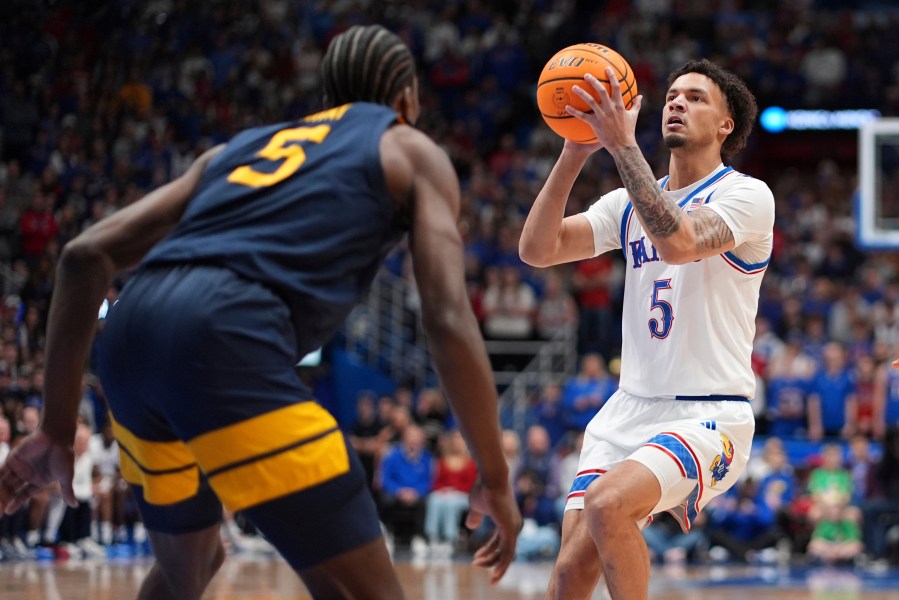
(721, 464)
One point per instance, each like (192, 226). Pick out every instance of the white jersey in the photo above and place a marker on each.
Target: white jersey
(106, 458)
(82, 478)
(688, 329)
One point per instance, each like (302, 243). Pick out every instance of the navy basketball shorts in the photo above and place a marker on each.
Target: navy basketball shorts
(198, 368)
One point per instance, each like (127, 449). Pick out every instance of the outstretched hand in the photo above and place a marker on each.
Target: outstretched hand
(499, 504)
(613, 124)
(33, 465)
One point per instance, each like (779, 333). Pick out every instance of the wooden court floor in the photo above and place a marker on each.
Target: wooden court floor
(272, 579)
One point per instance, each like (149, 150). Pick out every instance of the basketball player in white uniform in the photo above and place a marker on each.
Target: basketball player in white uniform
(104, 451)
(678, 431)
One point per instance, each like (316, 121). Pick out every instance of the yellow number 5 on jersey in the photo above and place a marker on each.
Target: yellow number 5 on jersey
(278, 148)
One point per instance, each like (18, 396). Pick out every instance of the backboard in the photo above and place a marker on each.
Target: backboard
(877, 201)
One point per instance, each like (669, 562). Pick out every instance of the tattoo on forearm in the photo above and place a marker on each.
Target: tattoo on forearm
(660, 217)
(712, 232)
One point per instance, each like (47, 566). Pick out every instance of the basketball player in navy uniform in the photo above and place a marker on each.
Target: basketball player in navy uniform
(247, 262)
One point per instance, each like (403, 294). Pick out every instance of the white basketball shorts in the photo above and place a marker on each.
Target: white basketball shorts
(697, 447)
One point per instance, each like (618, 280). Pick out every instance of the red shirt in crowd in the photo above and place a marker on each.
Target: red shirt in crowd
(455, 479)
(38, 228)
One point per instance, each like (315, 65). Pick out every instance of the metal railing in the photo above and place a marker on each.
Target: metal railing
(385, 331)
(554, 361)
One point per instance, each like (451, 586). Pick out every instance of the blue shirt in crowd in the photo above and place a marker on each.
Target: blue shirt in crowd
(400, 470)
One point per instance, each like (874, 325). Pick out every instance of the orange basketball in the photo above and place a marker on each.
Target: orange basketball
(568, 68)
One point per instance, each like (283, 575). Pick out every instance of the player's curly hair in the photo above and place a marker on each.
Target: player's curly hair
(740, 102)
(366, 63)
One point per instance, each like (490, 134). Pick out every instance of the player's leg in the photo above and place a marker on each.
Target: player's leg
(119, 497)
(38, 507)
(229, 389)
(362, 573)
(184, 534)
(184, 565)
(142, 371)
(104, 510)
(330, 534)
(577, 569)
(613, 506)
(678, 470)
(179, 510)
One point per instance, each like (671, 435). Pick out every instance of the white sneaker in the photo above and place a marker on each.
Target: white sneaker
(139, 533)
(75, 553)
(718, 554)
(23, 551)
(445, 549)
(32, 538)
(419, 547)
(768, 556)
(90, 548)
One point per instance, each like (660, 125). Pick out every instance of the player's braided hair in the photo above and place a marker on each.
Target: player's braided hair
(366, 64)
(740, 102)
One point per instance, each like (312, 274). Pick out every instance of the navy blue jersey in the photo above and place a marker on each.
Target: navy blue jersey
(301, 207)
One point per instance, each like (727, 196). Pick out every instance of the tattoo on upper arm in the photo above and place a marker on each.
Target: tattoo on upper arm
(660, 217)
(712, 233)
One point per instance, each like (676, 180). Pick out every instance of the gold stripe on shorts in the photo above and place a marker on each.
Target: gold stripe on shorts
(153, 456)
(166, 471)
(272, 455)
(161, 488)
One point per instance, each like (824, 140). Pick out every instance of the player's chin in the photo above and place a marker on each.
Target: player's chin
(674, 140)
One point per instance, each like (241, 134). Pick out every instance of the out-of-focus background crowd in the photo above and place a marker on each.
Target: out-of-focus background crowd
(101, 102)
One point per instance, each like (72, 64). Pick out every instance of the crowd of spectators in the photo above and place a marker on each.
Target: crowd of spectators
(838, 506)
(101, 102)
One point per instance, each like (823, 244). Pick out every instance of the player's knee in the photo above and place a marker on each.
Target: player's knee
(571, 576)
(606, 505)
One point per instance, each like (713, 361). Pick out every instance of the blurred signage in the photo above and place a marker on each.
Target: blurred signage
(776, 119)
